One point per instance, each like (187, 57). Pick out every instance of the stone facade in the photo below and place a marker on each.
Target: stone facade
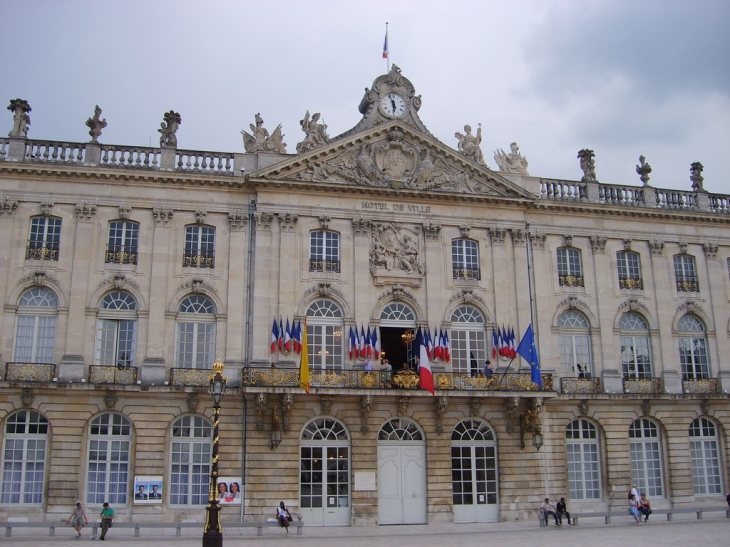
(127, 271)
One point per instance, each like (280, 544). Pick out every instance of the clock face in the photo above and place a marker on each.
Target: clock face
(393, 105)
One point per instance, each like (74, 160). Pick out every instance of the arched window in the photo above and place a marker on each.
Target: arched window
(646, 457)
(107, 478)
(24, 458)
(704, 450)
(195, 333)
(692, 348)
(397, 312)
(116, 330)
(629, 270)
(635, 347)
(584, 463)
(35, 334)
(465, 259)
(400, 429)
(190, 452)
(324, 252)
(473, 466)
(468, 340)
(324, 334)
(123, 240)
(576, 356)
(324, 466)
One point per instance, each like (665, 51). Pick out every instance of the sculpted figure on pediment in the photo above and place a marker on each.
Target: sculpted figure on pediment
(394, 249)
(469, 144)
(514, 162)
(315, 133)
(261, 141)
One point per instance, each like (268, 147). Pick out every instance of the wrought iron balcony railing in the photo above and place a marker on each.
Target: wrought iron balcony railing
(580, 385)
(571, 280)
(701, 385)
(687, 284)
(324, 265)
(121, 254)
(199, 259)
(39, 252)
(467, 273)
(632, 283)
(105, 374)
(30, 372)
(191, 377)
(642, 385)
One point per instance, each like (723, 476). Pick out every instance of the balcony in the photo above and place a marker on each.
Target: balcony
(687, 284)
(39, 252)
(105, 374)
(30, 372)
(631, 283)
(467, 273)
(121, 254)
(316, 265)
(192, 377)
(701, 385)
(199, 259)
(642, 385)
(360, 379)
(570, 280)
(580, 385)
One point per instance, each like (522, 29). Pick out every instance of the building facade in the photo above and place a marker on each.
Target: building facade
(127, 271)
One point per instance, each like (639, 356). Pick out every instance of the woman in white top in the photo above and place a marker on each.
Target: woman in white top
(283, 516)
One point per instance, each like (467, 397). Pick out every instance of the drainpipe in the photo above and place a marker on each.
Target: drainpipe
(247, 345)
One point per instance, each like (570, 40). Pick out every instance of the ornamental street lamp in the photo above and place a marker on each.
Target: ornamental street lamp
(213, 532)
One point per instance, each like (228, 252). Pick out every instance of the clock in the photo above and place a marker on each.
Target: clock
(393, 105)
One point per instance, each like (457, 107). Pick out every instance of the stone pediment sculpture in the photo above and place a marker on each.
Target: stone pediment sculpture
(315, 133)
(394, 249)
(259, 139)
(514, 162)
(470, 145)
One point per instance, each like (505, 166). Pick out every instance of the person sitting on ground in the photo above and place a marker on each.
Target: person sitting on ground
(562, 509)
(548, 508)
(283, 516)
(634, 509)
(644, 507)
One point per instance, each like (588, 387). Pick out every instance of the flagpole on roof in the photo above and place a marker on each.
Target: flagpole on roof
(386, 49)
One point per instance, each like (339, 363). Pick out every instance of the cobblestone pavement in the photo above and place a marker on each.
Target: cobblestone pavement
(710, 532)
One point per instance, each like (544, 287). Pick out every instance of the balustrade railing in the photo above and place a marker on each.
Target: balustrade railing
(219, 163)
(621, 195)
(30, 372)
(121, 254)
(701, 385)
(719, 203)
(54, 152)
(675, 199)
(129, 157)
(563, 190)
(4, 148)
(199, 259)
(104, 374)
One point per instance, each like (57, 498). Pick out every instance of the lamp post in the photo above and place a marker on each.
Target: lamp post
(213, 532)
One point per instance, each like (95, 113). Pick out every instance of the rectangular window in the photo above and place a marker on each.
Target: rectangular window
(583, 474)
(195, 345)
(45, 239)
(468, 350)
(629, 271)
(325, 346)
(108, 473)
(23, 471)
(575, 350)
(465, 259)
(190, 473)
(115, 343)
(693, 358)
(199, 247)
(646, 465)
(705, 467)
(35, 339)
(324, 255)
(570, 271)
(635, 357)
(685, 274)
(123, 240)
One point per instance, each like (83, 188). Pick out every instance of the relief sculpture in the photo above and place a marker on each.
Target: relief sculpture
(394, 249)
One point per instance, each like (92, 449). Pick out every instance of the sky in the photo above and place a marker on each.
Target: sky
(623, 78)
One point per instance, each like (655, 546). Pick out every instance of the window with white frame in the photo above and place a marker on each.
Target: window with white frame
(199, 247)
(195, 333)
(584, 463)
(123, 240)
(468, 340)
(107, 477)
(704, 451)
(24, 458)
(324, 251)
(465, 259)
(629, 270)
(324, 335)
(35, 333)
(692, 348)
(685, 273)
(646, 457)
(190, 453)
(570, 270)
(635, 347)
(45, 238)
(324, 464)
(116, 330)
(575, 344)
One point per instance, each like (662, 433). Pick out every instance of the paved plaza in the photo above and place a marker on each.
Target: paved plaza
(710, 532)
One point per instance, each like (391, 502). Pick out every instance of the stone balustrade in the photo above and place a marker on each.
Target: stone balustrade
(129, 157)
(54, 152)
(629, 196)
(675, 199)
(218, 163)
(563, 190)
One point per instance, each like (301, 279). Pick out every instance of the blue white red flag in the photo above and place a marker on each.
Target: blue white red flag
(495, 343)
(424, 369)
(447, 347)
(363, 341)
(287, 337)
(281, 335)
(376, 343)
(353, 344)
(385, 46)
(369, 344)
(528, 352)
(274, 335)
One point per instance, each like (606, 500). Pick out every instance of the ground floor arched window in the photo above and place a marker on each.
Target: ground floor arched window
(705, 453)
(646, 457)
(190, 452)
(584, 461)
(24, 458)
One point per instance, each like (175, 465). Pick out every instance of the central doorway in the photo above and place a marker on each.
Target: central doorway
(396, 344)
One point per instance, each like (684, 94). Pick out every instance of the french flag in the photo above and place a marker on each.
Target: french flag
(353, 344)
(385, 46)
(438, 350)
(368, 344)
(287, 337)
(447, 347)
(512, 344)
(424, 369)
(495, 342)
(362, 341)
(274, 335)
(376, 344)
(296, 337)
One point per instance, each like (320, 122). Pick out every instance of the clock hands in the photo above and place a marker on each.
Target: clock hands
(392, 102)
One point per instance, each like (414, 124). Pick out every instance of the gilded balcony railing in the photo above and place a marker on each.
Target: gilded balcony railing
(360, 379)
(701, 385)
(570, 280)
(30, 372)
(316, 265)
(189, 376)
(105, 374)
(642, 385)
(580, 385)
(467, 273)
(631, 283)
(33, 252)
(199, 259)
(121, 254)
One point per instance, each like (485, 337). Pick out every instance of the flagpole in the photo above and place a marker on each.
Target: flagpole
(387, 49)
(531, 288)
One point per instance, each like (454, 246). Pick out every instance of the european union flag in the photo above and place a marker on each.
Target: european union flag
(528, 352)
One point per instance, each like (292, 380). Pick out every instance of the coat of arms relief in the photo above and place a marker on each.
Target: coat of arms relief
(394, 251)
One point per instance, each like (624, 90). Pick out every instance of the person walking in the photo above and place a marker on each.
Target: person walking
(283, 516)
(634, 509)
(562, 509)
(78, 519)
(107, 516)
(548, 508)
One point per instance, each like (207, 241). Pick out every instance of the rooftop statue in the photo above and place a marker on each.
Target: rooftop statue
(21, 118)
(469, 144)
(261, 141)
(643, 170)
(168, 128)
(696, 177)
(513, 162)
(96, 124)
(315, 133)
(588, 165)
